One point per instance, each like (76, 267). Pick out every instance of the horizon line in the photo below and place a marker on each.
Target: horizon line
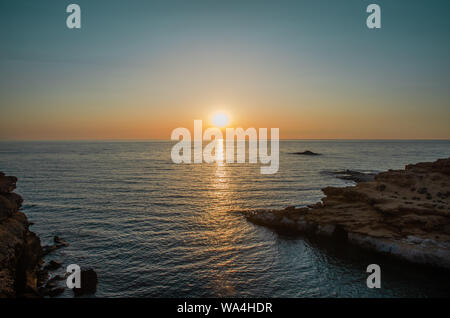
(281, 139)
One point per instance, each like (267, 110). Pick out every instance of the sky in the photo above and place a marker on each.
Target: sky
(139, 69)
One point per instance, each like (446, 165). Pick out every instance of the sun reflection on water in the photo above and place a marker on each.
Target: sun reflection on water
(221, 234)
(219, 152)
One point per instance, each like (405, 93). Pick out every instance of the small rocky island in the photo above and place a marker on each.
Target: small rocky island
(306, 153)
(404, 213)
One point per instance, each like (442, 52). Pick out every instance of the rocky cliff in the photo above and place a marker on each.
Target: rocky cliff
(405, 213)
(20, 249)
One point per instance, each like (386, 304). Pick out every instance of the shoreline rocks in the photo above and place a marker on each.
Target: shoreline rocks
(20, 249)
(89, 281)
(22, 273)
(404, 213)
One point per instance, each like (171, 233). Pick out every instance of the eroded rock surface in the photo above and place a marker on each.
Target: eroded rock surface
(20, 249)
(405, 213)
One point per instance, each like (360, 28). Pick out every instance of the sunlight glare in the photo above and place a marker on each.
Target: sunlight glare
(220, 120)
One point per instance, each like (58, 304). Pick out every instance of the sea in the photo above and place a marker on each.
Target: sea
(153, 228)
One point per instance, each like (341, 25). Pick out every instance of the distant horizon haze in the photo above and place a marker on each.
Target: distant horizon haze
(207, 141)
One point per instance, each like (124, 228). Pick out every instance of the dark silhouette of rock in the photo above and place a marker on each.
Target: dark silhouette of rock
(48, 249)
(21, 253)
(59, 241)
(384, 215)
(52, 265)
(306, 153)
(89, 283)
(51, 284)
(56, 291)
(20, 249)
(56, 278)
(7, 183)
(355, 176)
(10, 203)
(422, 191)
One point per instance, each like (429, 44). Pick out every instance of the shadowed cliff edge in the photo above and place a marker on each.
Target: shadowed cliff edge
(404, 213)
(22, 269)
(20, 249)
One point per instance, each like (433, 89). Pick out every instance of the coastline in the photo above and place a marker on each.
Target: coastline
(20, 248)
(404, 213)
(372, 214)
(23, 272)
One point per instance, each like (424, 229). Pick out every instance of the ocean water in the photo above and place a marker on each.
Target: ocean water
(151, 228)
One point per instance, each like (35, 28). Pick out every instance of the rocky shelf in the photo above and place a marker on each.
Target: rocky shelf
(404, 213)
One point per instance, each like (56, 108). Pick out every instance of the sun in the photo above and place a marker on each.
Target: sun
(220, 119)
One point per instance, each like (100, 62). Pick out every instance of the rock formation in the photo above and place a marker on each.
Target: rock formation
(405, 213)
(89, 281)
(22, 269)
(20, 249)
(306, 153)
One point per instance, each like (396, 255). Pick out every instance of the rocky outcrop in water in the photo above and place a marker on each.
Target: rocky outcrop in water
(306, 153)
(405, 213)
(20, 249)
(89, 281)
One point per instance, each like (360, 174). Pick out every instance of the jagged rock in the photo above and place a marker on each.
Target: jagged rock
(56, 278)
(59, 241)
(381, 215)
(21, 272)
(51, 284)
(48, 249)
(355, 176)
(89, 282)
(20, 249)
(52, 265)
(55, 291)
(7, 183)
(9, 204)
